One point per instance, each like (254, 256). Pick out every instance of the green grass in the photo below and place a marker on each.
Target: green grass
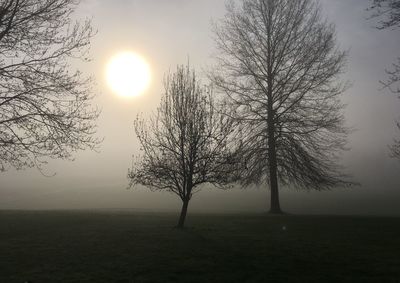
(138, 247)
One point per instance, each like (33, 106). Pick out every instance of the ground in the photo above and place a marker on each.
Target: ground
(144, 247)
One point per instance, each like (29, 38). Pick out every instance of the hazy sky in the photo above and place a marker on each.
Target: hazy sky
(166, 33)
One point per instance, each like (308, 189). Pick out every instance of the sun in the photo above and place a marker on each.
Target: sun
(128, 74)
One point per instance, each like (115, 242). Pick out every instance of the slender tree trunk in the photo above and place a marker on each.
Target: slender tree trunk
(182, 217)
(273, 172)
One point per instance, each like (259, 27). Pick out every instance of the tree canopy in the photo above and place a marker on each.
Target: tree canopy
(186, 144)
(45, 109)
(279, 65)
(388, 13)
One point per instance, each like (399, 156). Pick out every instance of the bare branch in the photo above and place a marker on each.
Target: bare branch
(279, 66)
(187, 143)
(45, 109)
(388, 11)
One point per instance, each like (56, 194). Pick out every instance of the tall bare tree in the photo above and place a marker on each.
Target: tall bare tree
(388, 13)
(45, 107)
(186, 143)
(278, 63)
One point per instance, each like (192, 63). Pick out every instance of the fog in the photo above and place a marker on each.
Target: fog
(167, 33)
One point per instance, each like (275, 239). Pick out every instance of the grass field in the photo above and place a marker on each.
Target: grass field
(139, 247)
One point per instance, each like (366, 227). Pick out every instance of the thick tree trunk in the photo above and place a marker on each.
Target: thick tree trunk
(182, 217)
(273, 171)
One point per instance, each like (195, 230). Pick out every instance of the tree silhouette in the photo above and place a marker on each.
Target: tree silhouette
(186, 144)
(388, 11)
(278, 64)
(44, 103)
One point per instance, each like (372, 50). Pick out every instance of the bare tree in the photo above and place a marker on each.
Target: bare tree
(186, 143)
(393, 84)
(395, 147)
(44, 102)
(278, 63)
(388, 11)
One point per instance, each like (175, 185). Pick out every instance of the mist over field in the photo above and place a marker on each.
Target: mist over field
(199, 141)
(170, 32)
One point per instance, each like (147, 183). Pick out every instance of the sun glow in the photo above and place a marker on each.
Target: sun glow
(128, 74)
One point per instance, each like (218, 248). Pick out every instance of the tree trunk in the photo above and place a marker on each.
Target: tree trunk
(183, 214)
(273, 175)
(273, 172)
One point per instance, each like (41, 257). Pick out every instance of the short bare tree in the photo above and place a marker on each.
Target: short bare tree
(186, 144)
(45, 107)
(388, 13)
(279, 65)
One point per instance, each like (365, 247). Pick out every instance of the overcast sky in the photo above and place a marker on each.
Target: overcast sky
(167, 33)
